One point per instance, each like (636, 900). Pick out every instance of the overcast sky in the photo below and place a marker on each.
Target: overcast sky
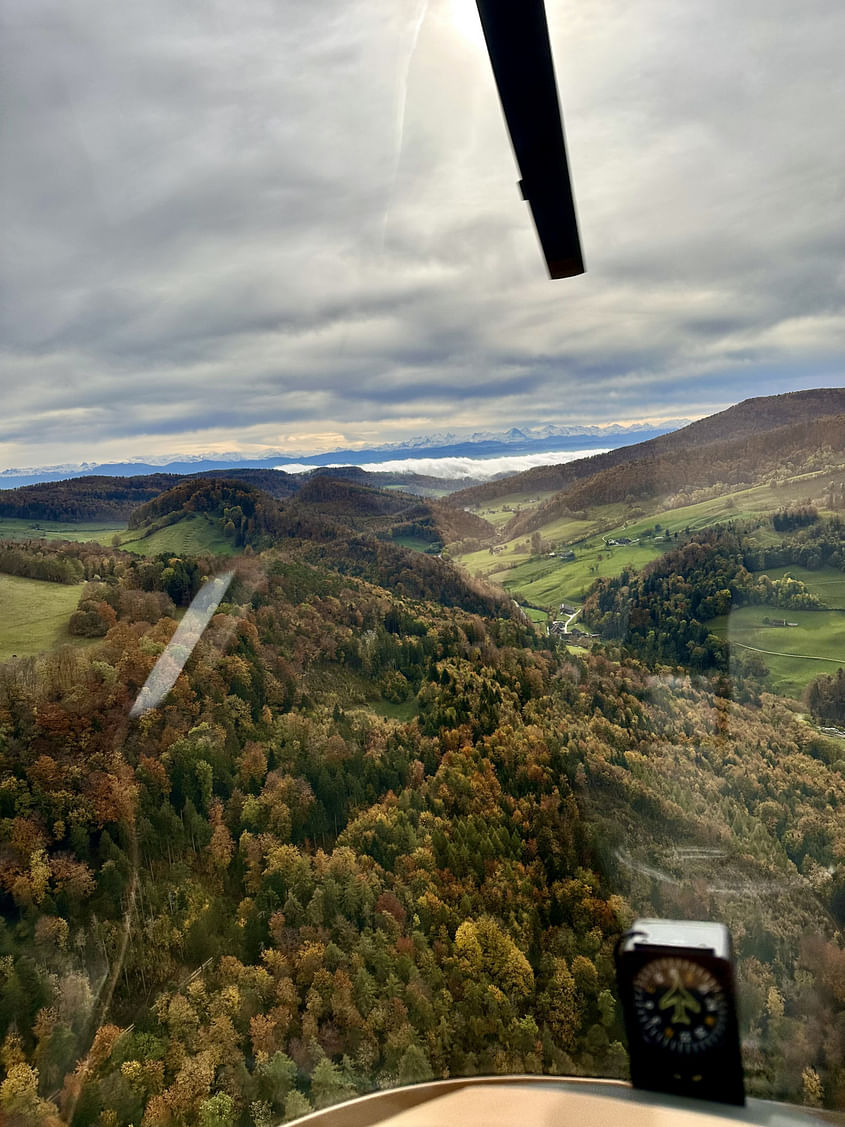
(296, 225)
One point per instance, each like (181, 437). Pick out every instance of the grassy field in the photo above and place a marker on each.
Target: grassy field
(101, 531)
(538, 616)
(794, 654)
(34, 616)
(540, 580)
(403, 712)
(193, 535)
(549, 582)
(500, 511)
(798, 653)
(827, 583)
(415, 543)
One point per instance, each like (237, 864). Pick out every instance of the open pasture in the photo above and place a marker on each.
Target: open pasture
(34, 616)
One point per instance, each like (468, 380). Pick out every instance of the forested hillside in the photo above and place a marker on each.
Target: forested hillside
(324, 508)
(98, 498)
(107, 498)
(663, 611)
(751, 419)
(380, 831)
(799, 449)
(83, 498)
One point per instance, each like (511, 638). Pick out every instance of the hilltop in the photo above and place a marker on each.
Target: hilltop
(751, 418)
(396, 514)
(97, 498)
(741, 461)
(220, 514)
(102, 498)
(83, 498)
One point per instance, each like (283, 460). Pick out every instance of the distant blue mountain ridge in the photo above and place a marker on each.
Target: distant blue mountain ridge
(515, 442)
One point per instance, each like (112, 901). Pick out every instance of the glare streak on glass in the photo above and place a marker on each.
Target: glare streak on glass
(180, 647)
(402, 102)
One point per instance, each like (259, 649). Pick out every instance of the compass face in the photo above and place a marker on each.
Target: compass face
(680, 1005)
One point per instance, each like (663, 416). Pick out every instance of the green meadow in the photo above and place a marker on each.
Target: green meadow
(549, 582)
(794, 654)
(500, 511)
(11, 528)
(34, 616)
(539, 616)
(392, 710)
(194, 534)
(415, 543)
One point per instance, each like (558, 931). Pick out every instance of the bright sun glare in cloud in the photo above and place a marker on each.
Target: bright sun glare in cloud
(466, 20)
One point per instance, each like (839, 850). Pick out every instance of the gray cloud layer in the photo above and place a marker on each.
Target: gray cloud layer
(231, 224)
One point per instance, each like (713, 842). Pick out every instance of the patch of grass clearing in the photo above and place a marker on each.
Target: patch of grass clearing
(390, 710)
(827, 583)
(503, 509)
(415, 543)
(194, 535)
(539, 616)
(795, 655)
(11, 528)
(34, 616)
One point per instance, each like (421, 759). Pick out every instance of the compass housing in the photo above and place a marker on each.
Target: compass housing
(676, 986)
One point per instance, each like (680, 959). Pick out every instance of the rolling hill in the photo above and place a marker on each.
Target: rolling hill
(101, 498)
(751, 419)
(219, 514)
(740, 462)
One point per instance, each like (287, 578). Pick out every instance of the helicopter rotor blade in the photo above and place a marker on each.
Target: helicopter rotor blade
(517, 37)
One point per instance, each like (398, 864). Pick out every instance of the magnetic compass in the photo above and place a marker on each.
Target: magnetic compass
(675, 980)
(679, 1005)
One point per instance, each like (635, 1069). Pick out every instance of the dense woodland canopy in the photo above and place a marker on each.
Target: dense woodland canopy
(267, 895)
(32, 560)
(101, 498)
(826, 698)
(382, 830)
(88, 498)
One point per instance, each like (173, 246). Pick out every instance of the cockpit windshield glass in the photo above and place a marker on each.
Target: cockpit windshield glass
(386, 625)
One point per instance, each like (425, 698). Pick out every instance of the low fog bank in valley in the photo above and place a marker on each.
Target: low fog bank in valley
(478, 468)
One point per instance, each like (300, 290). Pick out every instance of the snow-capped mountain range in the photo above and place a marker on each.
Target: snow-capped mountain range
(525, 439)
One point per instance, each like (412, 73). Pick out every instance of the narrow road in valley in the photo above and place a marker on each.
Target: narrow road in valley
(779, 653)
(570, 620)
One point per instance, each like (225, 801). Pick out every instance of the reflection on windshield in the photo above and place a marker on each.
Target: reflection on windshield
(383, 828)
(181, 645)
(321, 781)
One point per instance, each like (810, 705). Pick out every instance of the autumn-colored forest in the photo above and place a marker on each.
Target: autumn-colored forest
(382, 831)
